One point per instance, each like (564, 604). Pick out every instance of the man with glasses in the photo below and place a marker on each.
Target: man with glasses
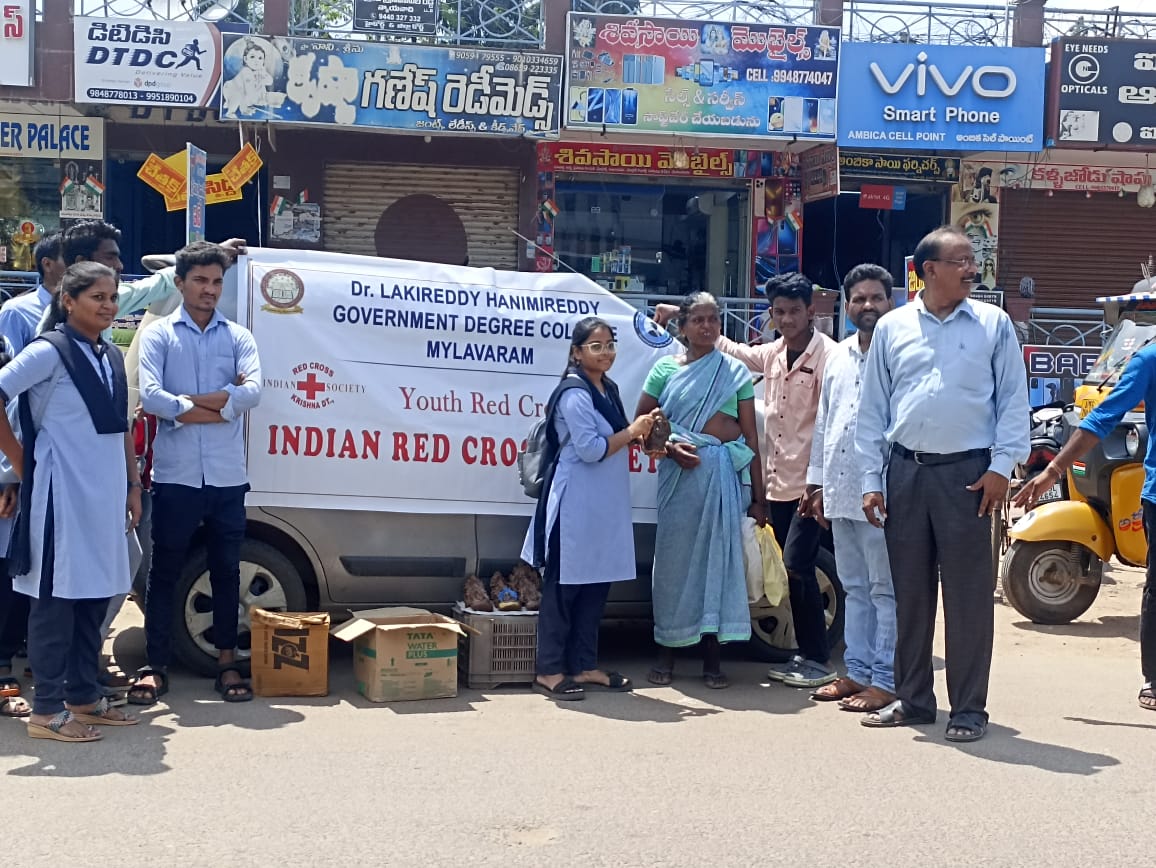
(944, 415)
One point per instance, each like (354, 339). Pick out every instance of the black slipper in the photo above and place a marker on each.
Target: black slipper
(894, 715)
(145, 694)
(1149, 694)
(238, 691)
(564, 691)
(972, 728)
(619, 683)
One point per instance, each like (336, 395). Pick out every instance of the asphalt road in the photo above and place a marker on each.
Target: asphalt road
(666, 776)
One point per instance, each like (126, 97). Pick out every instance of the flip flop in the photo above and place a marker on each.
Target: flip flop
(873, 699)
(837, 690)
(893, 715)
(1148, 694)
(564, 691)
(661, 677)
(619, 683)
(238, 691)
(145, 694)
(98, 716)
(972, 727)
(14, 706)
(52, 730)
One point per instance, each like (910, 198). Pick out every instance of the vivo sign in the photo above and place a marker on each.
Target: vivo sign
(1005, 76)
(946, 97)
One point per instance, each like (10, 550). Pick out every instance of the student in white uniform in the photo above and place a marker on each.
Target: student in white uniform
(76, 464)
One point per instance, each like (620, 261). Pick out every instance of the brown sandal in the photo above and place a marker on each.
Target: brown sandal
(866, 701)
(838, 689)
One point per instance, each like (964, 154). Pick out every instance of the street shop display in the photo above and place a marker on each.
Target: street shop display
(669, 75)
(520, 591)
(401, 386)
(393, 86)
(1102, 94)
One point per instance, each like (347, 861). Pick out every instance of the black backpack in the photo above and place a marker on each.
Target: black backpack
(542, 447)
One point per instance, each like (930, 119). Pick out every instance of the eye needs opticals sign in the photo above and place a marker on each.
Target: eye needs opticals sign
(941, 97)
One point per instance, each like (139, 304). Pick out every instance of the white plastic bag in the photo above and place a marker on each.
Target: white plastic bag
(754, 560)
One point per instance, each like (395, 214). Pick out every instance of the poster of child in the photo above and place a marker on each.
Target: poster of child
(252, 65)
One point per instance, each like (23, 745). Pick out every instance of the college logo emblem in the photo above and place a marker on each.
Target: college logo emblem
(283, 291)
(652, 334)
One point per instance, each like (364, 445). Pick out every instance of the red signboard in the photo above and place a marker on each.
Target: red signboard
(880, 196)
(642, 160)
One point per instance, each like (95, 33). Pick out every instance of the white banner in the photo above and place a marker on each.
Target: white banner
(156, 63)
(17, 45)
(410, 387)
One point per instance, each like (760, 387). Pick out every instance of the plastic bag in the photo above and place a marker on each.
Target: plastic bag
(766, 574)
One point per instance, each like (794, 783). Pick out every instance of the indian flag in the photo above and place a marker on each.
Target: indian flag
(549, 208)
(1079, 469)
(276, 205)
(94, 185)
(66, 185)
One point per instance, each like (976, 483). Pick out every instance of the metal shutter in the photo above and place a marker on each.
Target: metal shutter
(1075, 248)
(484, 199)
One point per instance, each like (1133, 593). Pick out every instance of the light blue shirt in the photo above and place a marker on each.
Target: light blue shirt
(943, 386)
(20, 318)
(131, 297)
(178, 359)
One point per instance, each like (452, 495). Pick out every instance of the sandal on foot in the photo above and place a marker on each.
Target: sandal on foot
(146, 694)
(104, 714)
(1147, 699)
(715, 680)
(117, 680)
(238, 691)
(565, 690)
(837, 690)
(661, 677)
(53, 730)
(14, 706)
(894, 715)
(616, 683)
(965, 728)
(9, 686)
(866, 701)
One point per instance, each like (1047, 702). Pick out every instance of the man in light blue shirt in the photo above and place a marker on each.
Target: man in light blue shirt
(199, 375)
(944, 413)
(20, 317)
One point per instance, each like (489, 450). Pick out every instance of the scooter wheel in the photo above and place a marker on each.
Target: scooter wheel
(1051, 582)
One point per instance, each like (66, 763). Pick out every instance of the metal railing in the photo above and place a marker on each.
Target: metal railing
(927, 23)
(1067, 327)
(1113, 22)
(248, 12)
(747, 11)
(495, 23)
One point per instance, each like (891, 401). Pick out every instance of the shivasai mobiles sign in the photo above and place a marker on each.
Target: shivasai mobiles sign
(410, 387)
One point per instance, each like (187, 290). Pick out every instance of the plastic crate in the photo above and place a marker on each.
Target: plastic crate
(503, 650)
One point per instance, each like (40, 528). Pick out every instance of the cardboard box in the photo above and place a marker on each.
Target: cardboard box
(290, 653)
(403, 653)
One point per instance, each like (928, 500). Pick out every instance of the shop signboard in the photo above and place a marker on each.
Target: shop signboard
(910, 96)
(618, 159)
(1103, 94)
(17, 45)
(668, 75)
(154, 63)
(819, 170)
(1052, 175)
(883, 197)
(53, 137)
(1055, 372)
(382, 85)
(900, 167)
(396, 17)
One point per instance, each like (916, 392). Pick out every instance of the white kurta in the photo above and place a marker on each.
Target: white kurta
(87, 475)
(591, 495)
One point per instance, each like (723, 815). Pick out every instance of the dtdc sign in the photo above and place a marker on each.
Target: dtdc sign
(941, 97)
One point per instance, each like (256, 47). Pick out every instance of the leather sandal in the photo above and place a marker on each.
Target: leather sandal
(866, 701)
(838, 689)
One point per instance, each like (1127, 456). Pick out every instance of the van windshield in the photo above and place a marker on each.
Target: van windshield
(1128, 337)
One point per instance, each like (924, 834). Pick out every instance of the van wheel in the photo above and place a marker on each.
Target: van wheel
(1051, 582)
(268, 580)
(773, 632)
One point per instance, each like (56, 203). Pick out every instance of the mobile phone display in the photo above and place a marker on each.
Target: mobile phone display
(578, 105)
(595, 105)
(630, 106)
(613, 113)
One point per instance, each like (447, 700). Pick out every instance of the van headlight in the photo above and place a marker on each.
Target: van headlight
(1132, 442)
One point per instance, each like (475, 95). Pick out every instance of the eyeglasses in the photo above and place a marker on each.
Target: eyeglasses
(962, 263)
(598, 347)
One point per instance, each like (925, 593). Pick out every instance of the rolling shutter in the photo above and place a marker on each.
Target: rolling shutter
(1075, 248)
(485, 201)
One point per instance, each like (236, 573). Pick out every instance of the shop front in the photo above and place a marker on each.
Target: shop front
(51, 174)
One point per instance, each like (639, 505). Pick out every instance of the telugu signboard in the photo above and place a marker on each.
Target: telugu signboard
(409, 387)
(990, 177)
(17, 43)
(941, 97)
(390, 86)
(619, 159)
(900, 167)
(396, 17)
(1103, 94)
(717, 78)
(154, 63)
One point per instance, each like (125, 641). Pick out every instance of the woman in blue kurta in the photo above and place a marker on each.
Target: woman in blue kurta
(582, 535)
(69, 552)
(712, 478)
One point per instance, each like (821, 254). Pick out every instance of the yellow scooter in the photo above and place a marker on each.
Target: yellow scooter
(1054, 565)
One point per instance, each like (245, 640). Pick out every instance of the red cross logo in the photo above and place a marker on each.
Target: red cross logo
(311, 387)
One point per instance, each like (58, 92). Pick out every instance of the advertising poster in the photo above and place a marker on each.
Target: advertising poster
(406, 386)
(17, 43)
(819, 168)
(975, 210)
(390, 86)
(777, 203)
(1104, 94)
(154, 63)
(196, 173)
(82, 191)
(941, 97)
(1055, 372)
(720, 78)
(396, 17)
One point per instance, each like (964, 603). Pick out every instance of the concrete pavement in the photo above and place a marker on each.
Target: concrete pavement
(677, 776)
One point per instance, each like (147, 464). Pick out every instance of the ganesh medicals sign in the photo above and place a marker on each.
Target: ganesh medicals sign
(941, 97)
(405, 386)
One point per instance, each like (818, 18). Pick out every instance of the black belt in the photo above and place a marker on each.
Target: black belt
(932, 458)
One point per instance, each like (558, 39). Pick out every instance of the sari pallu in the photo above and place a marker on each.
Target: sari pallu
(699, 574)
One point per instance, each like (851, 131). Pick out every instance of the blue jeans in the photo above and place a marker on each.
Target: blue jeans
(870, 628)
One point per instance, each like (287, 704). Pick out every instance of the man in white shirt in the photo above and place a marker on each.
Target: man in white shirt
(833, 482)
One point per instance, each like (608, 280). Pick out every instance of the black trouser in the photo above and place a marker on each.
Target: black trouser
(798, 537)
(178, 511)
(568, 619)
(933, 524)
(13, 617)
(1148, 602)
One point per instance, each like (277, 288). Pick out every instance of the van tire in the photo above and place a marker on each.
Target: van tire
(268, 580)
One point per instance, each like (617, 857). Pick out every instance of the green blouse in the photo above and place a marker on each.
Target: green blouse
(665, 367)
